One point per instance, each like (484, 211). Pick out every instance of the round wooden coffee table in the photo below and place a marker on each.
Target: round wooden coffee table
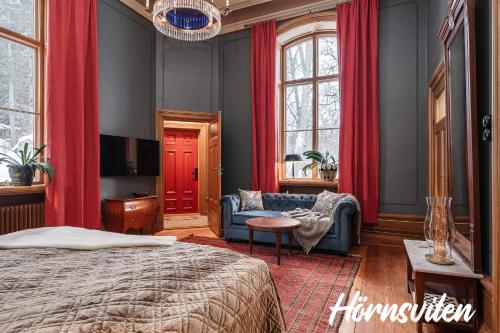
(273, 224)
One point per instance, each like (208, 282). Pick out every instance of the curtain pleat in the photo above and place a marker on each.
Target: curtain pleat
(264, 136)
(357, 30)
(72, 122)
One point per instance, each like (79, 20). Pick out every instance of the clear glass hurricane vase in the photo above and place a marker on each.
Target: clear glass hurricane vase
(441, 231)
(427, 223)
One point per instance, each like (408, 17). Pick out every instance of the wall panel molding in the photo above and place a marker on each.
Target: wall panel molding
(235, 104)
(127, 82)
(188, 75)
(402, 106)
(392, 229)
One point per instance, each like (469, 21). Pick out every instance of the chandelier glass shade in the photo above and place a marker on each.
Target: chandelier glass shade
(188, 20)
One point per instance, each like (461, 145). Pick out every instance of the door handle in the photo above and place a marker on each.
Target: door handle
(195, 174)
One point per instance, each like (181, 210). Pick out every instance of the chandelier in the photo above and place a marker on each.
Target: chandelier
(188, 20)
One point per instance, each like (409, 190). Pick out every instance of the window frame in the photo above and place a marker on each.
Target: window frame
(315, 80)
(38, 44)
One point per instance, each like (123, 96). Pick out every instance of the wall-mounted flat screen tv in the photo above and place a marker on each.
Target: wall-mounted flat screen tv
(122, 156)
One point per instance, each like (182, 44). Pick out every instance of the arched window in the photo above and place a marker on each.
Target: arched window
(309, 91)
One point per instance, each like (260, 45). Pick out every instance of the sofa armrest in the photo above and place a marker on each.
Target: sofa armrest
(230, 203)
(344, 225)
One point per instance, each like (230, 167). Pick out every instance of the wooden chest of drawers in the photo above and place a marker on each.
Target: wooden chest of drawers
(121, 215)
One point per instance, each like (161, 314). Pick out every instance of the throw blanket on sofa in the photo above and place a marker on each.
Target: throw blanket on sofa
(315, 225)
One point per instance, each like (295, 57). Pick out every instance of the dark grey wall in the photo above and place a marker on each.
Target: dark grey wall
(403, 106)
(235, 101)
(187, 74)
(435, 50)
(126, 85)
(214, 75)
(135, 77)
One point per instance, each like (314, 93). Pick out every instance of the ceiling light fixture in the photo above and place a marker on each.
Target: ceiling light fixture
(188, 20)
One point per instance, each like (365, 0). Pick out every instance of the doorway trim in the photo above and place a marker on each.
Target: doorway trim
(198, 120)
(202, 130)
(435, 92)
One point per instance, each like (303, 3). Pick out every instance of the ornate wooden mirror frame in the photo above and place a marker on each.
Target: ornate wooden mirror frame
(461, 16)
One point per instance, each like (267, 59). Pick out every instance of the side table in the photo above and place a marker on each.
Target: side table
(425, 279)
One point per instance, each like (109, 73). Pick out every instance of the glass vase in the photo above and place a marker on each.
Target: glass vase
(441, 231)
(427, 223)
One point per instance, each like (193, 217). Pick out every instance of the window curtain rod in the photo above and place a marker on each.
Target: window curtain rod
(299, 12)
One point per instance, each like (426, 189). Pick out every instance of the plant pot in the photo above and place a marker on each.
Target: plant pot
(322, 173)
(21, 175)
(332, 175)
(331, 172)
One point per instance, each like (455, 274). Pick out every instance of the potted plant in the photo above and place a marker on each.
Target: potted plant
(327, 171)
(23, 164)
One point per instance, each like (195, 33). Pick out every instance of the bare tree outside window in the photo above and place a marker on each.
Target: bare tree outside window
(311, 96)
(19, 71)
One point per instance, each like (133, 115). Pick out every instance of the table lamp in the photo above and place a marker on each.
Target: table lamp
(293, 158)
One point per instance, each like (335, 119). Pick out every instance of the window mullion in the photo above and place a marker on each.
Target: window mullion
(315, 102)
(18, 111)
(19, 39)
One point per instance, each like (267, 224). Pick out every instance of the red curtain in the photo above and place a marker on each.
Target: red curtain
(264, 137)
(72, 114)
(357, 29)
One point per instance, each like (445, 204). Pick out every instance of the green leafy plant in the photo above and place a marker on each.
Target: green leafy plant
(317, 159)
(28, 158)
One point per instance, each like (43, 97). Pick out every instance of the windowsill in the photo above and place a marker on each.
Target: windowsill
(309, 182)
(16, 190)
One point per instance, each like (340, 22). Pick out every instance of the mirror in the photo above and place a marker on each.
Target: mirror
(458, 133)
(461, 159)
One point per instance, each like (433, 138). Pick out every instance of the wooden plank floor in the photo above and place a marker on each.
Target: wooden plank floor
(381, 277)
(181, 233)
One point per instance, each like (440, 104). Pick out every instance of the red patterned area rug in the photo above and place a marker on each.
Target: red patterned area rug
(308, 285)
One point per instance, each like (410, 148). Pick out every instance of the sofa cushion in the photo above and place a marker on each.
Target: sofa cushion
(285, 202)
(240, 218)
(324, 203)
(251, 200)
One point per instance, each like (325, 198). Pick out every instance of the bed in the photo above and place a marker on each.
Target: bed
(171, 287)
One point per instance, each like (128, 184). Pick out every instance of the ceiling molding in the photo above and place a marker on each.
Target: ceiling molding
(245, 4)
(283, 14)
(141, 9)
(137, 7)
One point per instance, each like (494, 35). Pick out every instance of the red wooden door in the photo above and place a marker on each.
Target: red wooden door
(181, 168)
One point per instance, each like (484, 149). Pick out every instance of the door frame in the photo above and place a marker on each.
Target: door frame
(201, 130)
(435, 90)
(200, 119)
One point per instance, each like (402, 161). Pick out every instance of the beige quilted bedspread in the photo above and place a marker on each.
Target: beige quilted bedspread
(179, 288)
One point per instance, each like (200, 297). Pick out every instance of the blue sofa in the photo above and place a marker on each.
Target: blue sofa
(338, 239)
